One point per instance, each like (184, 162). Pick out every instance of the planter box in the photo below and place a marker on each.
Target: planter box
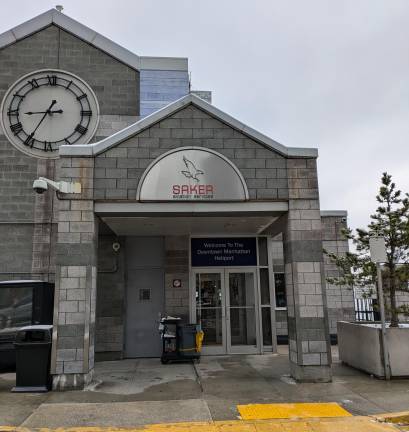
(360, 346)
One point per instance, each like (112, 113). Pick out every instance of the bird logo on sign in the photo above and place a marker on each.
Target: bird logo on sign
(192, 172)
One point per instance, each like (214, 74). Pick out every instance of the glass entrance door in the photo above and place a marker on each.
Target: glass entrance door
(210, 310)
(242, 313)
(226, 305)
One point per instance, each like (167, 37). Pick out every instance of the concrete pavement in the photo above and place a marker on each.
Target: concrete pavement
(141, 392)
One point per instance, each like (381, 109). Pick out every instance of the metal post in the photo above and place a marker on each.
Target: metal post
(383, 332)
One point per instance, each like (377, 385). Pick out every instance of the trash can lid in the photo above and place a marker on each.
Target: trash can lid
(34, 334)
(36, 327)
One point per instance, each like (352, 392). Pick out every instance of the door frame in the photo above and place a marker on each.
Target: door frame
(192, 287)
(243, 349)
(226, 347)
(209, 350)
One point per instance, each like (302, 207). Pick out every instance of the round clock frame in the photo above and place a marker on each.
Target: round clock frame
(48, 108)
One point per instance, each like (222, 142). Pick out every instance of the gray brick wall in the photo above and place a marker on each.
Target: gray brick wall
(110, 299)
(340, 299)
(177, 267)
(119, 169)
(73, 350)
(117, 88)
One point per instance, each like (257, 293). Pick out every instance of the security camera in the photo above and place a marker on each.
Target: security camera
(40, 186)
(343, 219)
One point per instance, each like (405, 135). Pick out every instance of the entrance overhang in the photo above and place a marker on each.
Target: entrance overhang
(147, 219)
(132, 209)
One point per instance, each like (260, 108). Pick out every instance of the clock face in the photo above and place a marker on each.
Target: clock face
(46, 109)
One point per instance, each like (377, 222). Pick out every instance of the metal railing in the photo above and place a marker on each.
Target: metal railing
(366, 309)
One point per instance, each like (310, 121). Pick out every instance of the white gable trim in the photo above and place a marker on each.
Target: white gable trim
(334, 213)
(128, 132)
(94, 38)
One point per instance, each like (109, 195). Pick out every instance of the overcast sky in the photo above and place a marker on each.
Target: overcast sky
(332, 74)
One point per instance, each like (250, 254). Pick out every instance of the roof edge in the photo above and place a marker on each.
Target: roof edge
(115, 139)
(53, 16)
(164, 63)
(334, 213)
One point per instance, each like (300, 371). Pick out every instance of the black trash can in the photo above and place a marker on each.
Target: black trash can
(33, 354)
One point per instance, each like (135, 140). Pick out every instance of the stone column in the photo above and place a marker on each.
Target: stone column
(310, 351)
(72, 360)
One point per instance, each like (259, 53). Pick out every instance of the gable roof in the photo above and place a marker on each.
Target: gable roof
(53, 16)
(190, 99)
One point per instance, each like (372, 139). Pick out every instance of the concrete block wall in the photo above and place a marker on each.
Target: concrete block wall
(73, 350)
(177, 267)
(17, 172)
(110, 310)
(340, 299)
(402, 298)
(281, 323)
(28, 221)
(119, 169)
(310, 355)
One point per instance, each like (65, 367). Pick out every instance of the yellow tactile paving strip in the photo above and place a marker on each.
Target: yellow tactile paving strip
(291, 411)
(340, 424)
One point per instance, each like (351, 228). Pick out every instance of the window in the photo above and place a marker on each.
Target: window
(281, 298)
(144, 294)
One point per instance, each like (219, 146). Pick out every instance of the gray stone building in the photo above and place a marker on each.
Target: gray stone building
(180, 209)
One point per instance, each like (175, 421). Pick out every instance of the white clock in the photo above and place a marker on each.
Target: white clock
(49, 108)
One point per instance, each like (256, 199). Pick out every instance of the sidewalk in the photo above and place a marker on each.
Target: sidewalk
(133, 393)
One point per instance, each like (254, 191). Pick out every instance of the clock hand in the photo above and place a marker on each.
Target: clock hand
(44, 116)
(60, 111)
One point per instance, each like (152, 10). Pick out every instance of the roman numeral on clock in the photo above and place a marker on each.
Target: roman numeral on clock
(81, 96)
(34, 83)
(47, 146)
(16, 128)
(52, 79)
(81, 129)
(11, 112)
(29, 141)
(87, 113)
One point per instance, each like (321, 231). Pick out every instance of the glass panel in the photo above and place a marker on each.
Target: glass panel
(281, 298)
(209, 307)
(208, 290)
(241, 289)
(243, 326)
(264, 287)
(211, 323)
(242, 310)
(15, 307)
(262, 251)
(266, 324)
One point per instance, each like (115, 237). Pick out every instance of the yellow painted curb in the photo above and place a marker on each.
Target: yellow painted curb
(288, 411)
(340, 424)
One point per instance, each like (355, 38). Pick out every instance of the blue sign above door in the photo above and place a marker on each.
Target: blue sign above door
(224, 252)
